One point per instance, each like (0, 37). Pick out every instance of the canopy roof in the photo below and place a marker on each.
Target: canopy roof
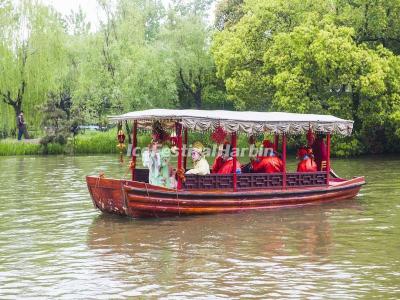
(249, 122)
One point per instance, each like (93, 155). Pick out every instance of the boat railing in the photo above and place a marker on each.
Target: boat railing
(306, 179)
(245, 181)
(211, 181)
(254, 180)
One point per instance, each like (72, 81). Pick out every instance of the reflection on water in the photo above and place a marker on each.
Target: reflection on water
(55, 245)
(268, 231)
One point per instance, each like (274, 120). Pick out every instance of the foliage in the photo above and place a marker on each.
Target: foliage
(344, 147)
(131, 62)
(187, 36)
(313, 57)
(228, 13)
(31, 58)
(102, 142)
(57, 121)
(123, 66)
(96, 142)
(333, 57)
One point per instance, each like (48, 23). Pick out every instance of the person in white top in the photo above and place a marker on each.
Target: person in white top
(200, 164)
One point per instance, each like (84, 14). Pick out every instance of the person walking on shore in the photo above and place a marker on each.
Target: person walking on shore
(21, 126)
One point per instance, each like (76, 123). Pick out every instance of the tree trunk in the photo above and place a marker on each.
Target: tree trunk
(16, 104)
(197, 98)
(197, 93)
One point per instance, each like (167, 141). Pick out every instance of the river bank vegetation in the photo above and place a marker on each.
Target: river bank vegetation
(336, 57)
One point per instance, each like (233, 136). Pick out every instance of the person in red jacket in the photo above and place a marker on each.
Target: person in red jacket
(223, 164)
(269, 162)
(307, 163)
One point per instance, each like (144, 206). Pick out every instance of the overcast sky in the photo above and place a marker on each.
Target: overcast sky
(90, 7)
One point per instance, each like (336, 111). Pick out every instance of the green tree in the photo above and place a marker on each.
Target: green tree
(32, 58)
(307, 57)
(228, 13)
(124, 66)
(187, 35)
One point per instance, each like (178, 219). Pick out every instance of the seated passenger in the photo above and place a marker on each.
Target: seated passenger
(307, 163)
(223, 164)
(200, 164)
(268, 162)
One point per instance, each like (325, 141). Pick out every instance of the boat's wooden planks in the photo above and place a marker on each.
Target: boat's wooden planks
(107, 194)
(160, 210)
(245, 202)
(138, 199)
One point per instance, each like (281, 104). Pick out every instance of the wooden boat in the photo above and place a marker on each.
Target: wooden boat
(225, 193)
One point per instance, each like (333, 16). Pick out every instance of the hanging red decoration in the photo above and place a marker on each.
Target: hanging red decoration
(310, 137)
(121, 144)
(159, 134)
(267, 144)
(219, 135)
(173, 140)
(121, 137)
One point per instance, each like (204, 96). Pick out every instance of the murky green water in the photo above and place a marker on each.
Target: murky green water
(54, 245)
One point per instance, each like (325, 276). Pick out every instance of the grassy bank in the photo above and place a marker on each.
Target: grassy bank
(106, 142)
(94, 143)
(14, 147)
(86, 143)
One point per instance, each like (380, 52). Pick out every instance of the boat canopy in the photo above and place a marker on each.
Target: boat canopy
(248, 122)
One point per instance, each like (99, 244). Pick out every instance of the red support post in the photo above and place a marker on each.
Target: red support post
(185, 142)
(133, 151)
(276, 142)
(328, 159)
(178, 128)
(234, 146)
(284, 160)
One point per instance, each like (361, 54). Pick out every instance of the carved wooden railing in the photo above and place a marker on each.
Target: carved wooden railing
(259, 180)
(212, 181)
(254, 180)
(306, 179)
(245, 180)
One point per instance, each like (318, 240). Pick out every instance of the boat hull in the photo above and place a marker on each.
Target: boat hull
(138, 199)
(107, 194)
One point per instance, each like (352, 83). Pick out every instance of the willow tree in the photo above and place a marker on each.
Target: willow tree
(124, 66)
(187, 36)
(32, 54)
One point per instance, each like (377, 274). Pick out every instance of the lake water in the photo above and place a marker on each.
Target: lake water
(55, 245)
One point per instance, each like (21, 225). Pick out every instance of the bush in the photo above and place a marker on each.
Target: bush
(345, 147)
(95, 142)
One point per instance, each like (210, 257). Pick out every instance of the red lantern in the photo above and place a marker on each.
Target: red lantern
(121, 137)
(219, 135)
(310, 137)
(121, 145)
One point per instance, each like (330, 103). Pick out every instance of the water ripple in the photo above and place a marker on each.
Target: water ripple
(54, 245)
